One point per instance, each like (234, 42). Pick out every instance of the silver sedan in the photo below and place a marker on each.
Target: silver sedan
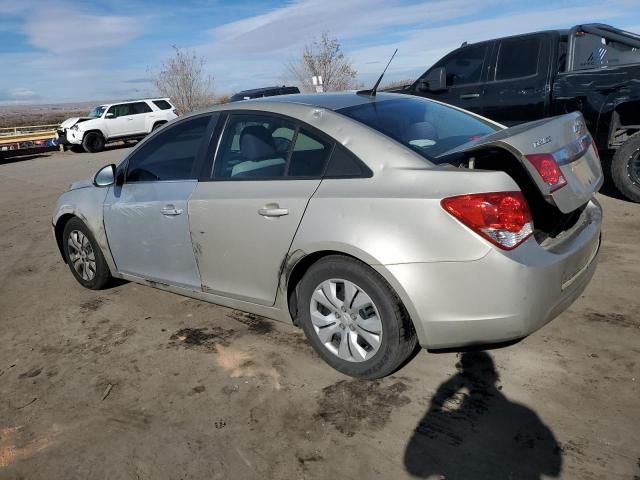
(377, 224)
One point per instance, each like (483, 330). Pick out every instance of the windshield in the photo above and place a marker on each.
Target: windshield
(97, 112)
(426, 127)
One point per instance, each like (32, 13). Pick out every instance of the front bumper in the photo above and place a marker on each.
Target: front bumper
(504, 295)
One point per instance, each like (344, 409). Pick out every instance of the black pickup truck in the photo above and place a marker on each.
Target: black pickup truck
(592, 68)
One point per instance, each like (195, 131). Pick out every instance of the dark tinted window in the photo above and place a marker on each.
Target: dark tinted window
(592, 51)
(162, 104)
(345, 164)
(140, 107)
(426, 127)
(518, 58)
(309, 155)
(254, 146)
(465, 65)
(121, 110)
(169, 155)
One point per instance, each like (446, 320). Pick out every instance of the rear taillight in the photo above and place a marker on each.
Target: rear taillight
(549, 170)
(503, 218)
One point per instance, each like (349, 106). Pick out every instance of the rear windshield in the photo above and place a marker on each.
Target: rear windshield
(426, 127)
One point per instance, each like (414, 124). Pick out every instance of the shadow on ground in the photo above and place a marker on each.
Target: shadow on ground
(471, 430)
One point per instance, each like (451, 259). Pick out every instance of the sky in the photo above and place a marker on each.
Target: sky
(82, 50)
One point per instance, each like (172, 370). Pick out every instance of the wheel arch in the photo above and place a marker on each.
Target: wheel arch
(94, 130)
(299, 263)
(58, 229)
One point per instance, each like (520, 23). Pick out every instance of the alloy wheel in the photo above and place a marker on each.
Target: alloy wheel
(81, 255)
(346, 320)
(633, 167)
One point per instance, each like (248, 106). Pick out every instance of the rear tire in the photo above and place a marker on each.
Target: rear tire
(157, 126)
(93, 142)
(84, 257)
(376, 329)
(625, 168)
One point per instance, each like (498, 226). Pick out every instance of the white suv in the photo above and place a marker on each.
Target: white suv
(128, 120)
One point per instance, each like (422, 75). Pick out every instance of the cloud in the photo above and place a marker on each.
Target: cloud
(65, 31)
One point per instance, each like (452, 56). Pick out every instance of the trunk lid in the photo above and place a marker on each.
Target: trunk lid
(567, 140)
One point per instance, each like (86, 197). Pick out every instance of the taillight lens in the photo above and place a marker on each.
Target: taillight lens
(503, 218)
(548, 169)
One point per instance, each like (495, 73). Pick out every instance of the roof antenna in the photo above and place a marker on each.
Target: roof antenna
(372, 92)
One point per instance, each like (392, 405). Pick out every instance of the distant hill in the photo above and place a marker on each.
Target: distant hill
(45, 114)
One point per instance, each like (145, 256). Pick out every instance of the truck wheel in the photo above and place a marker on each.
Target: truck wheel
(625, 168)
(157, 125)
(93, 142)
(354, 319)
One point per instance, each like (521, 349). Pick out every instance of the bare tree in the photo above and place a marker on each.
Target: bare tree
(182, 78)
(323, 57)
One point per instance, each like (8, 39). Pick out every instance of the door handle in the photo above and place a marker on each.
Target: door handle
(171, 211)
(468, 96)
(273, 210)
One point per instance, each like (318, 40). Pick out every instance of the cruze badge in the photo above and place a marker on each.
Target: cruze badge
(541, 141)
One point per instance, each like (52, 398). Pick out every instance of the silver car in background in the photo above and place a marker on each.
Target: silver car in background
(375, 223)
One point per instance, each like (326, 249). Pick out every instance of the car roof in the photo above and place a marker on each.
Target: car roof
(330, 101)
(260, 90)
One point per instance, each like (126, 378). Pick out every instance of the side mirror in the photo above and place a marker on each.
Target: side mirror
(105, 177)
(435, 80)
(109, 115)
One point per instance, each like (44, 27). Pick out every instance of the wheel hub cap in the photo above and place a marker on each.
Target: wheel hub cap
(346, 320)
(81, 255)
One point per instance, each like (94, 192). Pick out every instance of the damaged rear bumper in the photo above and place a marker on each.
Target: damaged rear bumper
(501, 297)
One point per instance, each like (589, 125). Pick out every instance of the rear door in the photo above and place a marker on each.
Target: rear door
(146, 218)
(141, 118)
(518, 87)
(466, 72)
(246, 209)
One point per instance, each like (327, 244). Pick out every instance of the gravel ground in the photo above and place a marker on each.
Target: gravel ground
(136, 383)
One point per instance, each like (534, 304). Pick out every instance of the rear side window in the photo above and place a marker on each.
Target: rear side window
(343, 164)
(518, 57)
(309, 155)
(140, 107)
(592, 51)
(254, 146)
(170, 155)
(267, 147)
(162, 104)
(464, 66)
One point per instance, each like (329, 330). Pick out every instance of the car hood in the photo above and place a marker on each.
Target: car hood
(70, 122)
(87, 182)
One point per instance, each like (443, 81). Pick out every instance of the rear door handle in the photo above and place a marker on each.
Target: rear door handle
(468, 96)
(273, 210)
(171, 211)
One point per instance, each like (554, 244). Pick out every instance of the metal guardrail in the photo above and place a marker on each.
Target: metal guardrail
(21, 137)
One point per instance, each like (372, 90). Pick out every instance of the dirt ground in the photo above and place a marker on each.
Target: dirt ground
(136, 383)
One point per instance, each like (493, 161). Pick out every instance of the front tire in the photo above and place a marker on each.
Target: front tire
(625, 168)
(84, 257)
(354, 319)
(93, 142)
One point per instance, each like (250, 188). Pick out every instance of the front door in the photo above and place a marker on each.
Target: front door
(465, 70)
(244, 219)
(147, 219)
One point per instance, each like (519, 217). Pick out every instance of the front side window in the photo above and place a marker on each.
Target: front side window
(518, 57)
(171, 154)
(427, 127)
(121, 110)
(464, 66)
(593, 51)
